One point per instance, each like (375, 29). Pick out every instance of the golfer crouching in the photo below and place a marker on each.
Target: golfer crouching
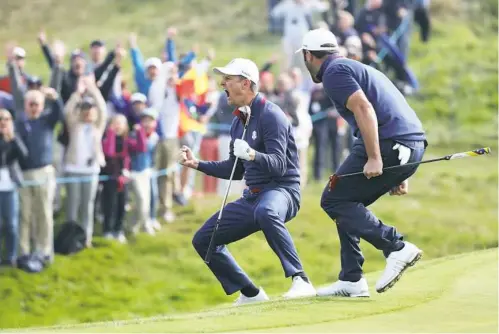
(268, 160)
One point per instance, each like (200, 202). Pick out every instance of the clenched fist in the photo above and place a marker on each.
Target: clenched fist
(373, 168)
(186, 158)
(401, 189)
(242, 150)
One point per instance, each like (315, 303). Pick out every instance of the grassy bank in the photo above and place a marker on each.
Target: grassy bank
(438, 296)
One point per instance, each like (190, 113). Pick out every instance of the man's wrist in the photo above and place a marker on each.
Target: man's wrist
(375, 157)
(252, 155)
(195, 164)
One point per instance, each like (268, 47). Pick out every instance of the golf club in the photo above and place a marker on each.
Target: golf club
(475, 153)
(217, 224)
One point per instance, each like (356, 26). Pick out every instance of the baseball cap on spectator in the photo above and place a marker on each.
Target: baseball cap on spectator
(77, 53)
(87, 102)
(19, 52)
(138, 97)
(153, 61)
(34, 82)
(97, 43)
(319, 40)
(150, 112)
(240, 66)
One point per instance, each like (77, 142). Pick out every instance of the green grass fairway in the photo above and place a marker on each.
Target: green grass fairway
(451, 294)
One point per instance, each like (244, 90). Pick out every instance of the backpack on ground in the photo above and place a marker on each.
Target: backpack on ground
(71, 239)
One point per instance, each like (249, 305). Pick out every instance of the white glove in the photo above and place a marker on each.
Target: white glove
(242, 149)
(404, 153)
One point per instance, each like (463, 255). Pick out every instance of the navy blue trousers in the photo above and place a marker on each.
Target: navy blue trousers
(267, 211)
(9, 223)
(347, 203)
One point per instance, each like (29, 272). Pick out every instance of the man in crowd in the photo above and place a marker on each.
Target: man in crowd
(35, 124)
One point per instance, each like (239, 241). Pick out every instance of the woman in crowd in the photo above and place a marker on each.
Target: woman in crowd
(11, 150)
(85, 115)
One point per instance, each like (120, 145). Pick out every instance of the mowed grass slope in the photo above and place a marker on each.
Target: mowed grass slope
(452, 206)
(451, 294)
(451, 209)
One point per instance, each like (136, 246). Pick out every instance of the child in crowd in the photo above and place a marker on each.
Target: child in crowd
(142, 170)
(118, 145)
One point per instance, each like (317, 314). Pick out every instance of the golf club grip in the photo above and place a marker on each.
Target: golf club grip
(209, 251)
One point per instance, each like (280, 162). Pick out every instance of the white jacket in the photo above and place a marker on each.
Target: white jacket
(294, 15)
(303, 131)
(163, 98)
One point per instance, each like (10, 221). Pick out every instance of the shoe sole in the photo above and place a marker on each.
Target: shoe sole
(309, 295)
(397, 278)
(360, 295)
(250, 303)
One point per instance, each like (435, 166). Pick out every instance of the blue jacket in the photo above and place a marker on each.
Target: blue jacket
(38, 135)
(143, 83)
(10, 154)
(270, 135)
(171, 53)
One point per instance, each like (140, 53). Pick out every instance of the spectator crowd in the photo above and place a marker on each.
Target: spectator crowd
(95, 149)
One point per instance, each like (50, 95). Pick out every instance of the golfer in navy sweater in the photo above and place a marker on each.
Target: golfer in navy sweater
(268, 160)
(388, 133)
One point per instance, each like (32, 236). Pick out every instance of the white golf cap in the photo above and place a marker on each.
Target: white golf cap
(153, 61)
(138, 97)
(149, 112)
(19, 52)
(319, 40)
(240, 66)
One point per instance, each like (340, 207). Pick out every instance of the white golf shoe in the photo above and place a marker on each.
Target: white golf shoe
(156, 225)
(260, 297)
(169, 217)
(396, 263)
(300, 289)
(149, 229)
(346, 289)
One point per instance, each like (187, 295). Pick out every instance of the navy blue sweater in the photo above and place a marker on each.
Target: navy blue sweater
(270, 135)
(38, 135)
(396, 119)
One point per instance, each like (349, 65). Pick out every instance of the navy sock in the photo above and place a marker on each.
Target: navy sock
(399, 247)
(250, 290)
(302, 275)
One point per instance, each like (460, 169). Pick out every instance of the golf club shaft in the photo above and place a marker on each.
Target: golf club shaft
(227, 190)
(474, 153)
